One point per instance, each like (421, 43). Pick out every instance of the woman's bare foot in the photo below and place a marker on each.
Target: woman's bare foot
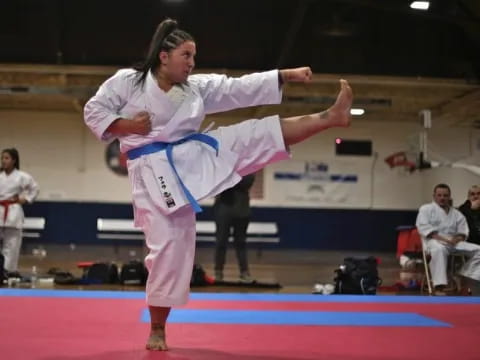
(156, 340)
(296, 129)
(339, 114)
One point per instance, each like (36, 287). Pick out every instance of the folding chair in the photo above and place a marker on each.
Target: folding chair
(455, 261)
(427, 275)
(409, 241)
(409, 244)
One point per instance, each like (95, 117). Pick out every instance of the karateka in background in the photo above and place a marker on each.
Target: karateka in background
(156, 110)
(444, 231)
(16, 188)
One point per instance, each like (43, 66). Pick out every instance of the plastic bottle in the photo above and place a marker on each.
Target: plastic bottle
(34, 277)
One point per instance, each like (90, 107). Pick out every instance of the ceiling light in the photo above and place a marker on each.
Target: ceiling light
(420, 5)
(357, 111)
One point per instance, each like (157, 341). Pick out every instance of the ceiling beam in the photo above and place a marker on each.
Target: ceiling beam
(292, 33)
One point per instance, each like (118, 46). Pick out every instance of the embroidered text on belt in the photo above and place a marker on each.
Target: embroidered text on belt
(6, 204)
(168, 147)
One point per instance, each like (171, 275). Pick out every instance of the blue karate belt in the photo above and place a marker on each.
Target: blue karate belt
(168, 147)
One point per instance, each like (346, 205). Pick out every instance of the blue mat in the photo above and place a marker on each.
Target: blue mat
(324, 318)
(249, 297)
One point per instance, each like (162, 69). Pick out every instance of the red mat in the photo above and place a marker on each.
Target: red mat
(110, 329)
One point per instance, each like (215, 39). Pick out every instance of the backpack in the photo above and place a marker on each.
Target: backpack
(357, 276)
(198, 276)
(133, 273)
(65, 278)
(101, 273)
(62, 277)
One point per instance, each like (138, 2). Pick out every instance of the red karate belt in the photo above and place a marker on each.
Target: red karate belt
(6, 204)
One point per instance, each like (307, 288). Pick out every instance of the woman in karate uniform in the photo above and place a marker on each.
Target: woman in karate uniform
(156, 110)
(16, 188)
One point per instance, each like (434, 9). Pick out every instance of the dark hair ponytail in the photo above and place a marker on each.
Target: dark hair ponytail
(14, 155)
(167, 37)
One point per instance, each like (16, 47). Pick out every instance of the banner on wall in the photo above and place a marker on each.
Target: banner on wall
(334, 183)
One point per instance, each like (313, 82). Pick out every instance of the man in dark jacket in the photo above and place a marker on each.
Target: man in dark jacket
(471, 210)
(232, 211)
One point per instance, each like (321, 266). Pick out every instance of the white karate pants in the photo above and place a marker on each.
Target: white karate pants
(12, 242)
(439, 253)
(171, 238)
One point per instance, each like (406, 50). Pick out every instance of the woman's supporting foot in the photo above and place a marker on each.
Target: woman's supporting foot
(157, 339)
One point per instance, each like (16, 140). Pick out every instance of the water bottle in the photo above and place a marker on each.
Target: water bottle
(34, 277)
(40, 253)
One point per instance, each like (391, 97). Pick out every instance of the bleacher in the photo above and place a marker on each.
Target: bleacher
(33, 227)
(123, 229)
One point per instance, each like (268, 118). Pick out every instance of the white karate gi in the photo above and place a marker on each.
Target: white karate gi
(432, 218)
(21, 184)
(160, 205)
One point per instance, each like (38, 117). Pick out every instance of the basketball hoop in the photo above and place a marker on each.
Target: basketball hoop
(400, 159)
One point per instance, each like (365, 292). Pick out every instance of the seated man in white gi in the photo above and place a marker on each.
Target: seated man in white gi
(444, 231)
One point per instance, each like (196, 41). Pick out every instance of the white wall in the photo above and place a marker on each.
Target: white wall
(391, 189)
(63, 156)
(69, 163)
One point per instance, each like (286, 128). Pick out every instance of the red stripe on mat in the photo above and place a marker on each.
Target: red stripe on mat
(110, 329)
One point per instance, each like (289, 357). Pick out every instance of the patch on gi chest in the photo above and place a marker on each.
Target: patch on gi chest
(167, 196)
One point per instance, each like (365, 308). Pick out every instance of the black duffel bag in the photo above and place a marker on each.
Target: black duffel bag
(133, 273)
(357, 276)
(101, 273)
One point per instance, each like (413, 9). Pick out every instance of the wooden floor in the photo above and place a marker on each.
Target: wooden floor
(296, 270)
